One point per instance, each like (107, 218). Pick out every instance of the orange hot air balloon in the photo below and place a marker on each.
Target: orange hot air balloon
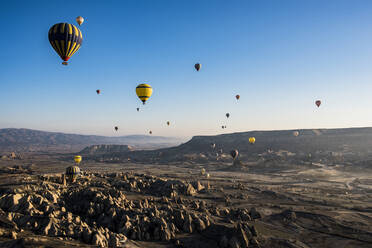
(79, 20)
(318, 102)
(237, 97)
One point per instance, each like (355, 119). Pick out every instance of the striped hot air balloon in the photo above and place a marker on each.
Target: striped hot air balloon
(72, 172)
(65, 39)
(144, 91)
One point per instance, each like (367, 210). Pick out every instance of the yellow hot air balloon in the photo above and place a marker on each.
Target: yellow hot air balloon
(77, 159)
(144, 91)
(252, 140)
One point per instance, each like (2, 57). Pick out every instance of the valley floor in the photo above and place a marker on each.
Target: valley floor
(139, 205)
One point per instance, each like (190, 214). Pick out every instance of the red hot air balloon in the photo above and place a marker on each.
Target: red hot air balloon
(318, 102)
(98, 92)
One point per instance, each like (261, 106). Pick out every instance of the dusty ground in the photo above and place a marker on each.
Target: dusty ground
(298, 205)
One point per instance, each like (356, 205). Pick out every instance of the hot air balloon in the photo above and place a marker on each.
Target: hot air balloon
(168, 123)
(227, 115)
(296, 133)
(137, 109)
(144, 91)
(116, 128)
(213, 145)
(150, 132)
(223, 127)
(72, 172)
(234, 154)
(79, 20)
(318, 102)
(65, 39)
(98, 92)
(237, 97)
(252, 140)
(197, 66)
(77, 159)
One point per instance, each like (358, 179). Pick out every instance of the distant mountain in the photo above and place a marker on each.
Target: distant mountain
(27, 140)
(104, 149)
(347, 144)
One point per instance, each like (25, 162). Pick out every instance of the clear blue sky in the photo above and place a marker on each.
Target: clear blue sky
(280, 56)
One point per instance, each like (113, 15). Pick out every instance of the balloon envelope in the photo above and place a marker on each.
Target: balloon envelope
(296, 133)
(98, 92)
(197, 66)
(144, 92)
(234, 154)
(252, 140)
(77, 159)
(79, 20)
(237, 97)
(318, 102)
(65, 39)
(72, 170)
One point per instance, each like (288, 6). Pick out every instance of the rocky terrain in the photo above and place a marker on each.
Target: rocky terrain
(273, 195)
(134, 205)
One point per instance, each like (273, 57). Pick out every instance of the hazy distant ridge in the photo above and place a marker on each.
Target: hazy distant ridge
(34, 140)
